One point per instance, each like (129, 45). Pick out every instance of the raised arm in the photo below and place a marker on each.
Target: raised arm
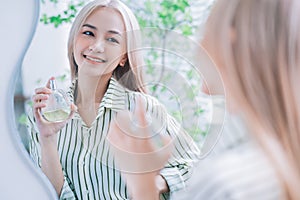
(43, 143)
(151, 163)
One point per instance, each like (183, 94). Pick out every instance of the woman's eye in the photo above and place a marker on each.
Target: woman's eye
(88, 33)
(113, 40)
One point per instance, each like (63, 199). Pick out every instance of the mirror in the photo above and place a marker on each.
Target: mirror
(47, 56)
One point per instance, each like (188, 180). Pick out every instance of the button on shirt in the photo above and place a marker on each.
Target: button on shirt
(88, 166)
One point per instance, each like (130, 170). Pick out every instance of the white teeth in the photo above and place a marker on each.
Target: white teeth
(95, 59)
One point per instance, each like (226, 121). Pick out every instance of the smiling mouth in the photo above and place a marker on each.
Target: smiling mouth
(98, 60)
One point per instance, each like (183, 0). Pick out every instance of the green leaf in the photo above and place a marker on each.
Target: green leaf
(61, 78)
(39, 81)
(191, 94)
(29, 103)
(153, 88)
(186, 30)
(44, 19)
(149, 6)
(142, 22)
(199, 111)
(23, 119)
(72, 7)
(190, 74)
(54, 1)
(177, 115)
(163, 88)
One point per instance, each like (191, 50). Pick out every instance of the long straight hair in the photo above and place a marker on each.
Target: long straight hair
(257, 43)
(129, 75)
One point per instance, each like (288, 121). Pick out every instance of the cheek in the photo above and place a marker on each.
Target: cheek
(116, 54)
(78, 48)
(122, 49)
(76, 54)
(80, 44)
(232, 104)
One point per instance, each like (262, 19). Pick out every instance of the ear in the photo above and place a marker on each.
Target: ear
(123, 61)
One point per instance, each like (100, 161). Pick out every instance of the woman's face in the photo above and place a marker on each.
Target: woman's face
(100, 44)
(212, 82)
(219, 87)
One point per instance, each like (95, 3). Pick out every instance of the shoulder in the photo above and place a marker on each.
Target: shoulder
(240, 173)
(151, 103)
(143, 96)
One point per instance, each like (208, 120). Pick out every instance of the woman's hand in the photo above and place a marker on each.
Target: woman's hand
(137, 152)
(50, 161)
(46, 129)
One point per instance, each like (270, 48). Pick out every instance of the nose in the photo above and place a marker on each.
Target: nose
(97, 47)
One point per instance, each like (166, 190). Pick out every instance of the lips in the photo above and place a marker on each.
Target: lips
(93, 59)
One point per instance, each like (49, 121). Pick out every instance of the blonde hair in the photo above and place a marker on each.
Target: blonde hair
(258, 43)
(130, 75)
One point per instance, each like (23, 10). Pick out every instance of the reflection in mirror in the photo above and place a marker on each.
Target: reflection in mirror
(47, 55)
(165, 65)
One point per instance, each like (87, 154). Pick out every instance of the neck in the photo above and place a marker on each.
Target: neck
(91, 89)
(90, 93)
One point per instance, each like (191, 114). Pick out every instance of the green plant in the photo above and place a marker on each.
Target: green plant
(165, 17)
(66, 16)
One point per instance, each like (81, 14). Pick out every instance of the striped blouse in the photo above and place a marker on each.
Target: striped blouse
(88, 167)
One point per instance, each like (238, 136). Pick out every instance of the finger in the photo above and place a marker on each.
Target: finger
(166, 142)
(43, 90)
(141, 120)
(48, 82)
(140, 113)
(114, 134)
(39, 104)
(123, 120)
(166, 139)
(168, 146)
(117, 140)
(36, 111)
(39, 97)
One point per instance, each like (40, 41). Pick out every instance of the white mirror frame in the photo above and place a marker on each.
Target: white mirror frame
(20, 179)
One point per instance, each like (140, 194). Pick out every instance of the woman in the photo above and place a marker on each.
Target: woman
(255, 45)
(105, 68)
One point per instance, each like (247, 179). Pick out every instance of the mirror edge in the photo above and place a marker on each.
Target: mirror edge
(35, 184)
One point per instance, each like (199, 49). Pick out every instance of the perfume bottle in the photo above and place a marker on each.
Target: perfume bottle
(58, 105)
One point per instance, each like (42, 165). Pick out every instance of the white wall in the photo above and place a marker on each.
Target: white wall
(47, 55)
(18, 179)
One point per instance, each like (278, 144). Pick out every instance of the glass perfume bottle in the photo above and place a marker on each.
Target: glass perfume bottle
(58, 105)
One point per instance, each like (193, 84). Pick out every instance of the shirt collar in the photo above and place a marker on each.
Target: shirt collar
(114, 98)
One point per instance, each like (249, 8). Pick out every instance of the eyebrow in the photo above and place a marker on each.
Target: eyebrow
(90, 26)
(114, 32)
(95, 28)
